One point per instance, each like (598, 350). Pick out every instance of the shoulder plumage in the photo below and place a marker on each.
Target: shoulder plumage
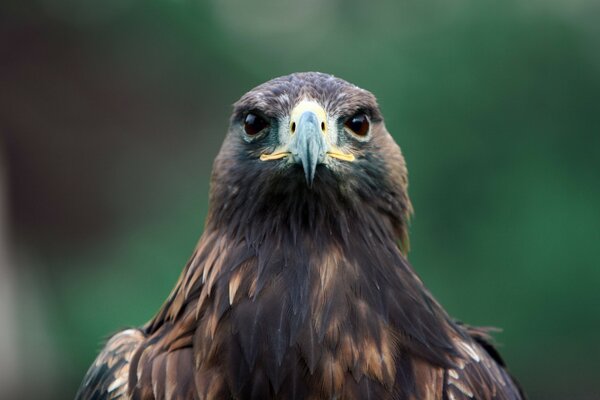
(108, 376)
(480, 372)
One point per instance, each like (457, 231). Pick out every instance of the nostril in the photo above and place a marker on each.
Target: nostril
(323, 126)
(293, 127)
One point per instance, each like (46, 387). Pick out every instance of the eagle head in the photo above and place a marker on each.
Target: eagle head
(310, 139)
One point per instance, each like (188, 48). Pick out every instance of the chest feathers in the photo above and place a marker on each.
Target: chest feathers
(302, 317)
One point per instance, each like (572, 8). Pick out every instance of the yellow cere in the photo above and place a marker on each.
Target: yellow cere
(319, 111)
(308, 105)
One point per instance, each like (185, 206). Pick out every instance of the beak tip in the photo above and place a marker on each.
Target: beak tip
(309, 165)
(310, 177)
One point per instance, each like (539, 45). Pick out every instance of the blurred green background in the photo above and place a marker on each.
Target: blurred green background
(111, 114)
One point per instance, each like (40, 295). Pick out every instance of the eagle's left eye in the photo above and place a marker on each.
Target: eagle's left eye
(254, 124)
(358, 124)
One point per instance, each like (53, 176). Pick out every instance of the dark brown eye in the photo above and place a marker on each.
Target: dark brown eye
(253, 124)
(358, 124)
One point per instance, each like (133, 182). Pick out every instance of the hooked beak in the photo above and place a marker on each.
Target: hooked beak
(308, 145)
(309, 142)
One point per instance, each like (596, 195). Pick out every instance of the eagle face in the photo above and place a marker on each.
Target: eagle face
(312, 138)
(307, 121)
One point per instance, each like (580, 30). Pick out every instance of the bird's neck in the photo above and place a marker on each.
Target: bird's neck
(293, 277)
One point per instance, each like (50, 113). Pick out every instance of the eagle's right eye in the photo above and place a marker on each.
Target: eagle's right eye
(358, 124)
(254, 124)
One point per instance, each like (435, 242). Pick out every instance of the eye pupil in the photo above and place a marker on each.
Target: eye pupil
(358, 124)
(253, 124)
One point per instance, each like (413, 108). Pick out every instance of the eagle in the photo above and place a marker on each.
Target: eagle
(300, 287)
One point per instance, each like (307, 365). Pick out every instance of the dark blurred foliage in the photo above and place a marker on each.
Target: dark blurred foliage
(111, 114)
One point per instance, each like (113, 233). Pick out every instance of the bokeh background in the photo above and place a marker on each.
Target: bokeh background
(111, 113)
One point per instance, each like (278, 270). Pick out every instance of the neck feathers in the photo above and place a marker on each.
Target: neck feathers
(288, 277)
(335, 295)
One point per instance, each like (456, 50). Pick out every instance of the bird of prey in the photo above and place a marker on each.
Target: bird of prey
(299, 287)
